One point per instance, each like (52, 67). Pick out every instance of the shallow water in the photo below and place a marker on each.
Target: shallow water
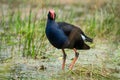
(17, 67)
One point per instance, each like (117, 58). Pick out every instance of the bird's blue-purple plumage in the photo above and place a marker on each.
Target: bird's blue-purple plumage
(64, 35)
(55, 35)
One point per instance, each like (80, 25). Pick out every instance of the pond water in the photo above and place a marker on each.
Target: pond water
(18, 67)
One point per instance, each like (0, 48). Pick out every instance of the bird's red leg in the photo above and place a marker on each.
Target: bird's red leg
(64, 59)
(74, 60)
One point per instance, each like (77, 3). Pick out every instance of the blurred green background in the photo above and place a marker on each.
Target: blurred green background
(25, 50)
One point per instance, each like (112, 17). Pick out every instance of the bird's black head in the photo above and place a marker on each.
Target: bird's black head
(51, 15)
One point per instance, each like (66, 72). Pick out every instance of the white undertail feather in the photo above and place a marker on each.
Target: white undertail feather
(83, 37)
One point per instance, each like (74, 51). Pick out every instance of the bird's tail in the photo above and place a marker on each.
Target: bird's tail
(88, 39)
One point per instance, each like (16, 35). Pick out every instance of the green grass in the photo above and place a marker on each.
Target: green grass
(23, 34)
(104, 24)
(86, 72)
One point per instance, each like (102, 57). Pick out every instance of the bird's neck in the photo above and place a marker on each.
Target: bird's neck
(50, 21)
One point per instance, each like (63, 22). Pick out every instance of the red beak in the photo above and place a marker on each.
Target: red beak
(52, 14)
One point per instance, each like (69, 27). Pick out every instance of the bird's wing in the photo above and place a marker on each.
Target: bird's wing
(68, 28)
(71, 31)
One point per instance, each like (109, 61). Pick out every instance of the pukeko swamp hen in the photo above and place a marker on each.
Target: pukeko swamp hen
(63, 35)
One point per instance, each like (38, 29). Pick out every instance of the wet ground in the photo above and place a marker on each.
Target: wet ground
(98, 60)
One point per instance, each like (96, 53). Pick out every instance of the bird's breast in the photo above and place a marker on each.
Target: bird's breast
(56, 37)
